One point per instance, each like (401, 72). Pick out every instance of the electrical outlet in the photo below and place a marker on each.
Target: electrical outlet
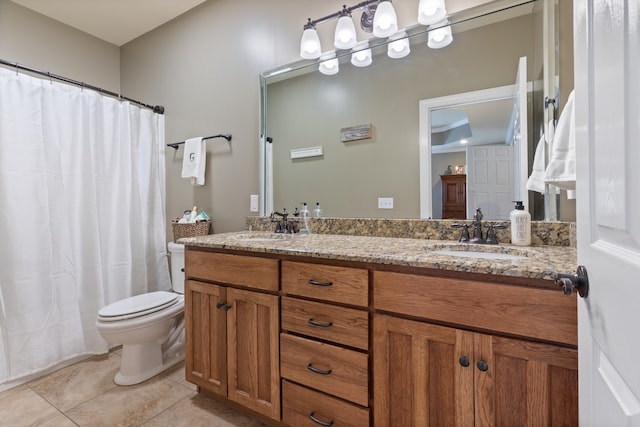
(253, 203)
(385, 202)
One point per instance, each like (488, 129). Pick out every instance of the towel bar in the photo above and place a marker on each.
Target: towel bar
(226, 136)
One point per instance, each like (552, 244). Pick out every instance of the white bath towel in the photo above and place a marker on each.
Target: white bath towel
(561, 170)
(195, 160)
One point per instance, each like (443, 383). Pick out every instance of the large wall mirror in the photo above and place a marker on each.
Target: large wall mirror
(309, 154)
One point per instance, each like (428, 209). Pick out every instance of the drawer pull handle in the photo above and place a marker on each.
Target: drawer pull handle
(318, 371)
(321, 324)
(318, 421)
(316, 283)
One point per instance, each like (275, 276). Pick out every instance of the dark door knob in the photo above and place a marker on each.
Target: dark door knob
(482, 365)
(578, 281)
(464, 361)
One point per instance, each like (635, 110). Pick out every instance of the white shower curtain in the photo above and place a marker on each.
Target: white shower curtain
(82, 221)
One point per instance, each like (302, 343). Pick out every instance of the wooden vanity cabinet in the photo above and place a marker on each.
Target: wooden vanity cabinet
(310, 342)
(324, 345)
(454, 196)
(232, 333)
(425, 373)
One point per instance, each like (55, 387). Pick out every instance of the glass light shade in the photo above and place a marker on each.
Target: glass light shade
(361, 55)
(440, 35)
(431, 11)
(398, 46)
(385, 21)
(329, 64)
(310, 44)
(345, 35)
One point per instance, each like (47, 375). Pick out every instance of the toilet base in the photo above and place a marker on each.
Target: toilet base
(121, 379)
(140, 362)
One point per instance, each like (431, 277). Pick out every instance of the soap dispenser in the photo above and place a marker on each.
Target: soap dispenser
(317, 212)
(520, 225)
(304, 213)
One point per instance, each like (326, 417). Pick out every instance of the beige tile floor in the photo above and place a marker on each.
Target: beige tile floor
(84, 394)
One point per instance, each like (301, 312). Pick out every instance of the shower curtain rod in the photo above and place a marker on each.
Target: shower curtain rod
(226, 136)
(156, 108)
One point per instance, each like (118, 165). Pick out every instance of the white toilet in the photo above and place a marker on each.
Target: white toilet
(149, 326)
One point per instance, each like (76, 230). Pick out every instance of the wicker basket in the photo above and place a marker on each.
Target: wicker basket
(193, 229)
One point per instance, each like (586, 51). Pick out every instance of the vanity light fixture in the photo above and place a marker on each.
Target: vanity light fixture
(329, 64)
(440, 35)
(310, 43)
(345, 35)
(378, 17)
(361, 54)
(398, 46)
(431, 11)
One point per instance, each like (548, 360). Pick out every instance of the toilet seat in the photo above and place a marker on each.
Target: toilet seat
(138, 306)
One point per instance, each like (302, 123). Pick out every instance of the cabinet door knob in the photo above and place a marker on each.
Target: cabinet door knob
(464, 361)
(321, 324)
(220, 305)
(318, 371)
(227, 307)
(482, 365)
(319, 421)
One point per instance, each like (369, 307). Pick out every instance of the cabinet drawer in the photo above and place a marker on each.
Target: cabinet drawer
(334, 370)
(346, 326)
(300, 404)
(253, 272)
(529, 312)
(338, 284)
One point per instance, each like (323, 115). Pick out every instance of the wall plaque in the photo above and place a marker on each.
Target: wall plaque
(354, 133)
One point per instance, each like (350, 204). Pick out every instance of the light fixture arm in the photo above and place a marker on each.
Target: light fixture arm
(344, 11)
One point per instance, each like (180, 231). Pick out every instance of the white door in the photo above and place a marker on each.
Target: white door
(607, 100)
(490, 180)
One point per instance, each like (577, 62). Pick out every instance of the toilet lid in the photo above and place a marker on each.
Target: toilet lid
(138, 305)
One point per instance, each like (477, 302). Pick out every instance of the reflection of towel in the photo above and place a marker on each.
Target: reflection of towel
(536, 180)
(561, 171)
(194, 161)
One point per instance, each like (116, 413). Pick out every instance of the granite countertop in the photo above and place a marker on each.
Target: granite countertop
(538, 262)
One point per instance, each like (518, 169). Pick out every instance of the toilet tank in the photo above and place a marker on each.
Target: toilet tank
(176, 256)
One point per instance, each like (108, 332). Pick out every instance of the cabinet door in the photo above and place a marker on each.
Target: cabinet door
(206, 336)
(525, 383)
(252, 351)
(419, 377)
(454, 196)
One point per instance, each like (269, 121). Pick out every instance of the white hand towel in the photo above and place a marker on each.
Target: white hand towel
(561, 171)
(194, 160)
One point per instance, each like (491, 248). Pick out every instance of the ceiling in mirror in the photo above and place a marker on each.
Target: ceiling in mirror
(454, 129)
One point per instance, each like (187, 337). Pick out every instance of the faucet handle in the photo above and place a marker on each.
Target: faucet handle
(464, 237)
(492, 237)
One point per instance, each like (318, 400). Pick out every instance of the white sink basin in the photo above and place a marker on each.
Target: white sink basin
(480, 255)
